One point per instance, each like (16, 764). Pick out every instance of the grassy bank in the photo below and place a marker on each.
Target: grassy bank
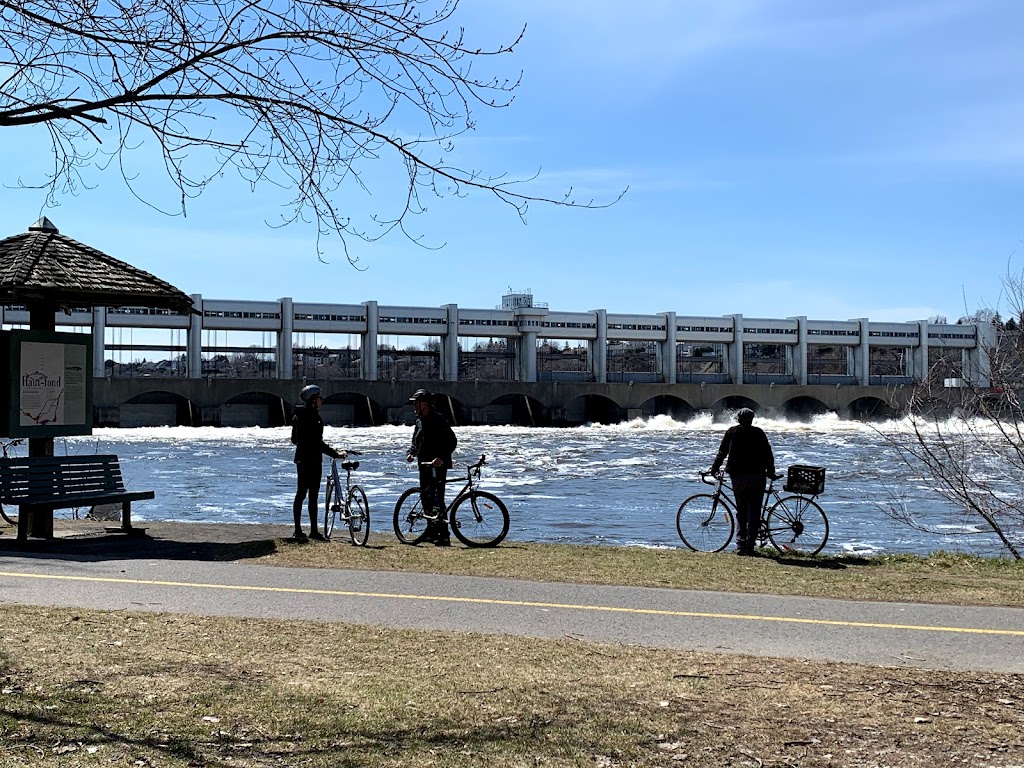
(940, 578)
(84, 688)
(121, 689)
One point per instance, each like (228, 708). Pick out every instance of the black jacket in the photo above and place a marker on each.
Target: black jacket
(308, 435)
(748, 450)
(433, 438)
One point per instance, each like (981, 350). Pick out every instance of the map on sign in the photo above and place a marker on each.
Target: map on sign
(52, 385)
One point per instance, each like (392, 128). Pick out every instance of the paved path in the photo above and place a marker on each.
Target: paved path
(932, 636)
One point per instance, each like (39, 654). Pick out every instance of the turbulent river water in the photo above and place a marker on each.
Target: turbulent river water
(615, 485)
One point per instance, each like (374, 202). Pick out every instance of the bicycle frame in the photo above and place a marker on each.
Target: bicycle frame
(771, 496)
(347, 496)
(472, 473)
(793, 523)
(476, 518)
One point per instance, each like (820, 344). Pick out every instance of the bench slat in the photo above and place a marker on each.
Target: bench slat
(45, 483)
(87, 500)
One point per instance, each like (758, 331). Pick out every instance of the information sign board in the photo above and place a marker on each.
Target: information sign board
(48, 389)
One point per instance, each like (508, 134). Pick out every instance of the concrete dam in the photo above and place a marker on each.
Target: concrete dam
(151, 401)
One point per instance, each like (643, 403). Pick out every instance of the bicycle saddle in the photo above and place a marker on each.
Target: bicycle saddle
(347, 465)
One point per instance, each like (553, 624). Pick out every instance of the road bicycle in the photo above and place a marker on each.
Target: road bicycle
(349, 505)
(8, 449)
(793, 524)
(477, 518)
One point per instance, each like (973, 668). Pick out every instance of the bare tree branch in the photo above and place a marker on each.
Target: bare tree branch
(965, 429)
(299, 94)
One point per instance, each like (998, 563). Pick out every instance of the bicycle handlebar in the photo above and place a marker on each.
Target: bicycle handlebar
(470, 467)
(705, 475)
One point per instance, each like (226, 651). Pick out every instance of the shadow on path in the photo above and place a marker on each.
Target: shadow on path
(164, 541)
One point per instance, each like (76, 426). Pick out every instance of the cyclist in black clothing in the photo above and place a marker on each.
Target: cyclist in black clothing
(750, 462)
(433, 441)
(308, 438)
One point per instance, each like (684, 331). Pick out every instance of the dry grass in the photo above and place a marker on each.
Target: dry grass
(86, 688)
(83, 688)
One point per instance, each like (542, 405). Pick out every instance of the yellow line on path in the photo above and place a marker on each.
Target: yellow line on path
(520, 604)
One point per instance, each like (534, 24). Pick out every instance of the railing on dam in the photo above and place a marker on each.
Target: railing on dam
(288, 340)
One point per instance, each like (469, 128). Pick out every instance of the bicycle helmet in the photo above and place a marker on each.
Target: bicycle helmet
(745, 416)
(421, 394)
(307, 393)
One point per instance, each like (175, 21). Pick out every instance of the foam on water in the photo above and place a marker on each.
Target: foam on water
(616, 484)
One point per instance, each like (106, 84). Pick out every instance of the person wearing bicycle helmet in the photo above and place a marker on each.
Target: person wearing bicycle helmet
(749, 461)
(433, 443)
(308, 439)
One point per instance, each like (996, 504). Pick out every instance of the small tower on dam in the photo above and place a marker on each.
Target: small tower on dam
(519, 299)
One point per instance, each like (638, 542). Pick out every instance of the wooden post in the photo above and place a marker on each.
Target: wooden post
(41, 316)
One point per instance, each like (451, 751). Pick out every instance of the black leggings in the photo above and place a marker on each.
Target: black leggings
(309, 476)
(749, 492)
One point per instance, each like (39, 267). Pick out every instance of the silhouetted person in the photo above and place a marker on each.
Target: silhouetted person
(308, 438)
(748, 462)
(433, 443)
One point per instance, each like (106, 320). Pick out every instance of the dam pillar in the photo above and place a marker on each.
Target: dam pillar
(797, 353)
(977, 366)
(862, 353)
(529, 319)
(285, 339)
(597, 360)
(368, 367)
(194, 338)
(734, 351)
(450, 345)
(668, 349)
(920, 354)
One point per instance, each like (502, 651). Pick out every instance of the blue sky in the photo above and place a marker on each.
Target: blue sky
(828, 158)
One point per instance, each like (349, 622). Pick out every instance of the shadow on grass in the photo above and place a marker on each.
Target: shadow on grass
(121, 547)
(831, 563)
(73, 736)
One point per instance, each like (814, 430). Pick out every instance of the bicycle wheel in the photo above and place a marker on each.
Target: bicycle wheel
(358, 510)
(479, 519)
(797, 525)
(410, 524)
(332, 505)
(10, 520)
(706, 522)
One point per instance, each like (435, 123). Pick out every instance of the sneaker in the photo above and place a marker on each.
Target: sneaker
(317, 536)
(299, 536)
(442, 541)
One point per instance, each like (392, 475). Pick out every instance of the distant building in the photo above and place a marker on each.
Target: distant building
(517, 299)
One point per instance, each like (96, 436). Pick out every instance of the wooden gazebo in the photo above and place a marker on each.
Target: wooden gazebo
(47, 271)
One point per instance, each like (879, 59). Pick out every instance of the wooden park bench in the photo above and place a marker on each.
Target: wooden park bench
(39, 485)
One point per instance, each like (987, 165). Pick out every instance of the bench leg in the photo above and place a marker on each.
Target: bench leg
(126, 516)
(42, 524)
(23, 515)
(36, 522)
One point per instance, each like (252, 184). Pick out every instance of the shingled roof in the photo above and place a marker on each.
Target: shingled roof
(44, 265)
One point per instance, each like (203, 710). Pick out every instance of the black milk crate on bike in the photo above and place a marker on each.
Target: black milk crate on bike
(805, 479)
